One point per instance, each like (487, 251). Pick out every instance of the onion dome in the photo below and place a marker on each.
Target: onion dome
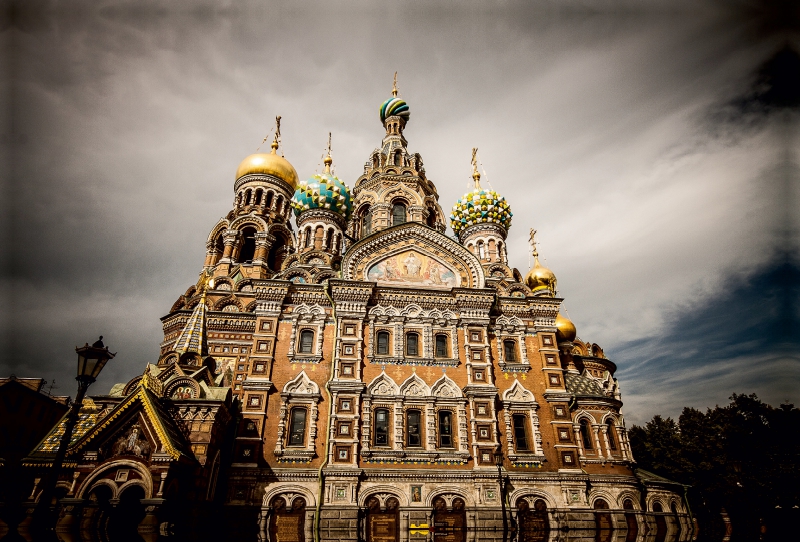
(394, 107)
(270, 163)
(565, 329)
(323, 191)
(480, 207)
(540, 279)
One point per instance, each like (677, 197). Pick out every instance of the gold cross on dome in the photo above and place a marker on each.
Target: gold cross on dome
(532, 242)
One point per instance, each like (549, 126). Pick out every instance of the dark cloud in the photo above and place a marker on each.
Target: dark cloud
(746, 339)
(124, 122)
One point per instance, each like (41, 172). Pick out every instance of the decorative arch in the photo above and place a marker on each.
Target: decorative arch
(582, 414)
(414, 386)
(597, 494)
(382, 493)
(518, 394)
(531, 495)
(249, 220)
(217, 230)
(182, 382)
(628, 495)
(290, 492)
(228, 300)
(448, 493)
(89, 483)
(446, 388)
(383, 385)
(301, 385)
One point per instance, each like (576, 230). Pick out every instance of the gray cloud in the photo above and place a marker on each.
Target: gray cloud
(125, 124)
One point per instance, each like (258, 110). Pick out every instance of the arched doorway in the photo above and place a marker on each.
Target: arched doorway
(661, 522)
(287, 522)
(630, 521)
(125, 517)
(449, 525)
(96, 514)
(533, 524)
(383, 525)
(602, 520)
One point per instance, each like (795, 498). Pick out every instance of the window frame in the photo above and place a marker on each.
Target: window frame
(444, 339)
(376, 427)
(416, 336)
(519, 423)
(441, 426)
(293, 430)
(378, 336)
(399, 205)
(418, 413)
(301, 347)
(510, 345)
(586, 435)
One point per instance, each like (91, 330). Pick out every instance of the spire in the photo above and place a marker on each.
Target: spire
(193, 338)
(394, 86)
(328, 160)
(277, 141)
(476, 176)
(532, 242)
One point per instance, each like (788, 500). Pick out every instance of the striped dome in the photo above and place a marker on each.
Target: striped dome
(479, 207)
(394, 107)
(323, 191)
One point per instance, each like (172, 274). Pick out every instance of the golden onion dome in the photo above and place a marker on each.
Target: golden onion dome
(269, 164)
(565, 329)
(540, 278)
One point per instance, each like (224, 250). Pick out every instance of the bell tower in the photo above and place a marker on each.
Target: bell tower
(394, 188)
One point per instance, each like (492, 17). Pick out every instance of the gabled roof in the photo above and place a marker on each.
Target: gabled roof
(647, 477)
(89, 427)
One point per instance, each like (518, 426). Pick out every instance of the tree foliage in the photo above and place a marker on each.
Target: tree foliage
(742, 457)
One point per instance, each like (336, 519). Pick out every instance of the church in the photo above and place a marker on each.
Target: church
(346, 369)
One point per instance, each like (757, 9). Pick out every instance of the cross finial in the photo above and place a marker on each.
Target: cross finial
(328, 160)
(277, 141)
(475, 175)
(394, 85)
(533, 243)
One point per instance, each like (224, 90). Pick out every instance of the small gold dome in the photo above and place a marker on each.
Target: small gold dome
(565, 329)
(540, 278)
(269, 164)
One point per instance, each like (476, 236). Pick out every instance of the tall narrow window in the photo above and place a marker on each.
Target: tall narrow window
(520, 432)
(306, 341)
(398, 214)
(248, 250)
(441, 345)
(412, 344)
(383, 342)
(297, 427)
(413, 429)
(308, 237)
(381, 427)
(586, 437)
(510, 350)
(445, 429)
(366, 222)
(481, 251)
(610, 435)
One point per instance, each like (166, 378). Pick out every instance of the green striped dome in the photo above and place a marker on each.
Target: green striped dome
(394, 107)
(480, 207)
(322, 191)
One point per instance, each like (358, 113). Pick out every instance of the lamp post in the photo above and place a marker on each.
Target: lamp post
(498, 458)
(91, 360)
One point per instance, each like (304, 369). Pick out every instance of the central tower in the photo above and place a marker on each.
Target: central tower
(394, 188)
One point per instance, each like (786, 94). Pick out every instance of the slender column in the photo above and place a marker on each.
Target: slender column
(604, 429)
(578, 438)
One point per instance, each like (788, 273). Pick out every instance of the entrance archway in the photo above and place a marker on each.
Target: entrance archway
(630, 521)
(533, 523)
(125, 517)
(604, 528)
(383, 525)
(450, 525)
(287, 522)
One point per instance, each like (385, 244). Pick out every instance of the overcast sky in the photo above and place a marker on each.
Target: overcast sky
(653, 147)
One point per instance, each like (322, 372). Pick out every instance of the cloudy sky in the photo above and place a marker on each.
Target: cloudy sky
(653, 145)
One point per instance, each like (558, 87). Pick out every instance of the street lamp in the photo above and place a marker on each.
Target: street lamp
(498, 458)
(91, 360)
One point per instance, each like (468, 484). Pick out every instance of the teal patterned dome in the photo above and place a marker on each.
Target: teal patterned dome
(395, 107)
(480, 207)
(323, 191)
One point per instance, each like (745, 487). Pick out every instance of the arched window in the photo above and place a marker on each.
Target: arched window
(308, 238)
(248, 195)
(431, 218)
(445, 429)
(381, 427)
(398, 214)
(383, 343)
(412, 344)
(297, 427)
(366, 222)
(279, 204)
(520, 432)
(277, 252)
(510, 350)
(441, 345)
(481, 250)
(248, 250)
(586, 436)
(413, 428)
(329, 239)
(259, 193)
(306, 341)
(268, 201)
(612, 443)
